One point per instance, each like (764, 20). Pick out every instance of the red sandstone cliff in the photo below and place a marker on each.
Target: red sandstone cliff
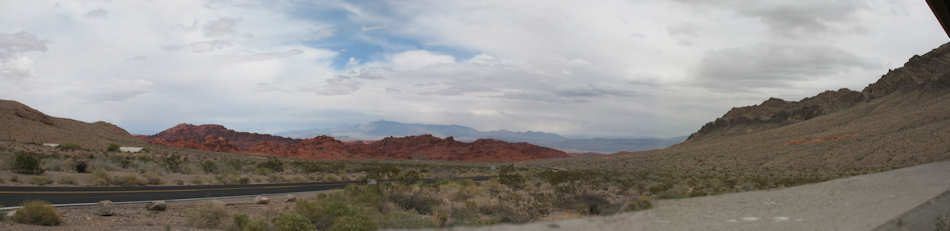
(425, 147)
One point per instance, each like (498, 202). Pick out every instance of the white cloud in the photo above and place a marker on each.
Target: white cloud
(607, 68)
(415, 59)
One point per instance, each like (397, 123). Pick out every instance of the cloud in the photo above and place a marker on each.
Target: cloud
(798, 18)
(220, 27)
(416, 59)
(340, 85)
(97, 13)
(774, 65)
(14, 64)
(200, 47)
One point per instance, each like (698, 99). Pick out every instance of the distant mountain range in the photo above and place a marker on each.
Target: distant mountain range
(382, 128)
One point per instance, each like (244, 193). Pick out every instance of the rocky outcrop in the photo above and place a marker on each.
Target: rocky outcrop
(926, 73)
(424, 147)
(22, 123)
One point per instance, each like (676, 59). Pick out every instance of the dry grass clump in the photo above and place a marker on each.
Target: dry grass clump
(38, 213)
(208, 216)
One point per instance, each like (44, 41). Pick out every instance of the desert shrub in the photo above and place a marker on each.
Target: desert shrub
(323, 213)
(101, 177)
(370, 196)
(420, 202)
(641, 203)
(210, 215)
(239, 222)
(507, 176)
(172, 163)
(290, 221)
(41, 180)
(38, 213)
(67, 180)
(153, 178)
(272, 164)
(14, 179)
(676, 191)
(383, 171)
(353, 223)
(209, 166)
(113, 148)
(69, 147)
(464, 216)
(244, 180)
(197, 181)
(26, 163)
(128, 180)
(409, 177)
(588, 204)
(404, 220)
(81, 167)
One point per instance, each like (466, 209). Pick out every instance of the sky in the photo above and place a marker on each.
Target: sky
(577, 68)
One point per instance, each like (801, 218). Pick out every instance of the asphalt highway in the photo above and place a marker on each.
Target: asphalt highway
(16, 195)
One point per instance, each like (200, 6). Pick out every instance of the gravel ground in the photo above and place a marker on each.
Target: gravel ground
(854, 203)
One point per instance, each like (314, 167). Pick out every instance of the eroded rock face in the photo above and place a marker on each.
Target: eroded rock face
(428, 147)
(926, 73)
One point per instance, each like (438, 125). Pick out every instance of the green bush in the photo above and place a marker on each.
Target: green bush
(113, 148)
(641, 203)
(27, 163)
(240, 222)
(69, 147)
(292, 222)
(41, 180)
(209, 166)
(322, 213)
(38, 213)
(272, 164)
(208, 216)
(81, 167)
(353, 223)
(420, 202)
(257, 225)
(507, 176)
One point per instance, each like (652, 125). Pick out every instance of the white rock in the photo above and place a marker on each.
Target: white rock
(156, 206)
(104, 208)
(261, 200)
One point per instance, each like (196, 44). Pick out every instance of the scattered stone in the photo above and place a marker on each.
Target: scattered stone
(104, 208)
(261, 200)
(157, 206)
(291, 198)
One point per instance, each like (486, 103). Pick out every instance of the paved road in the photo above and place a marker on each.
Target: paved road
(14, 195)
(854, 203)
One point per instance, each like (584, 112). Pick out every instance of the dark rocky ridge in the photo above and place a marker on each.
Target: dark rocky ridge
(928, 72)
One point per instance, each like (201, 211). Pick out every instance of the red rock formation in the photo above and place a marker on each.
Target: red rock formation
(424, 147)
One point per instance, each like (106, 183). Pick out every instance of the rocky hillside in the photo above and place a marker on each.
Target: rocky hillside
(920, 73)
(21, 123)
(424, 147)
(902, 119)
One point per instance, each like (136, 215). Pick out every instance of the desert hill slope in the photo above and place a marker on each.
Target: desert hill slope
(24, 124)
(427, 147)
(902, 119)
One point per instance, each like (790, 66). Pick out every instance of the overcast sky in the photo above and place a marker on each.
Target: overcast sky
(614, 68)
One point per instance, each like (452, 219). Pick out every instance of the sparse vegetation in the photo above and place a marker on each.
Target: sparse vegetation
(38, 213)
(210, 215)
(113, 148)
(69, 147)
(27, 163)
(41, 180)
(290, 221)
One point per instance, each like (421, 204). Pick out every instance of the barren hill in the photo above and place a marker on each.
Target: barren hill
(24, 124)
(902, 119)
(428, 147)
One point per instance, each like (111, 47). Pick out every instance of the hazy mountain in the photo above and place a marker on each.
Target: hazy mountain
(381, 129)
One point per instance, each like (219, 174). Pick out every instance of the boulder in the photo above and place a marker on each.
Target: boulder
(290, 198)
(261, 200)
(104, 208)
(11, 213)
(156, 206)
